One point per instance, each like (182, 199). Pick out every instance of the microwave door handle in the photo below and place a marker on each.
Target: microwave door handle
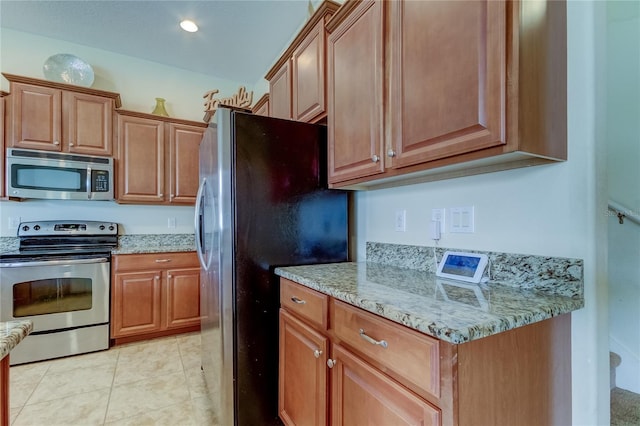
(89, 182)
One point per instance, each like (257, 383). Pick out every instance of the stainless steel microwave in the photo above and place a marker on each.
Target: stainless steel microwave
(57, 176)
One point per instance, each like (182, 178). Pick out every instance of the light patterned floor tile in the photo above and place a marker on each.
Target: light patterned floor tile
(86, 361)
(19, 393)
(177, 414)
(87, 408)
(144, 396)
(28, 373)
(72, 382)
(154, 382)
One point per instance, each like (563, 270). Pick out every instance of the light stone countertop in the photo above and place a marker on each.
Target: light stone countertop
(453, 311)
(12, 333)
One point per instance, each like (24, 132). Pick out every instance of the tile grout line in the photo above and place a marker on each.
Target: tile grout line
(113, 380)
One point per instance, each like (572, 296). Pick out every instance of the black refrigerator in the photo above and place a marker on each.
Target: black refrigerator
(262, 202)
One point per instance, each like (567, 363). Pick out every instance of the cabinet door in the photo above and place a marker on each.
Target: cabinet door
(135, 304)
(89, 123)
(184, 146)
(448, 78)
(182, 298)
(36, 117)
(141, 155)
(355, 77)
(280, 93)
(302, 376)
(360, 394)
(308, 76)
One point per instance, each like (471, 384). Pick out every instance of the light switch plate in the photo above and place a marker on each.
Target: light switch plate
(462, 219)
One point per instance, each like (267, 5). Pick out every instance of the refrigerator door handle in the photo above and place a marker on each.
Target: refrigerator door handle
(199, 225)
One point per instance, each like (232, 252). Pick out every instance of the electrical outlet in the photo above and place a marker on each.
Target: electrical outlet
(171, 222)
(439, 215)
(462, 219)
(401, 220)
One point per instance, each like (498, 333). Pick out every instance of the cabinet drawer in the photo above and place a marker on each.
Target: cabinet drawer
(140, 262)
(405, 354)
(305, 302)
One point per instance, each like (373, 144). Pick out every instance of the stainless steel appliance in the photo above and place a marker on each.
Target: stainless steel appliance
(263, 202)
(58, 176)
(60, 279)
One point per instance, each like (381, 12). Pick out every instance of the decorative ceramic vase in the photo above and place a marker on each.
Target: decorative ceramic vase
(160, 109)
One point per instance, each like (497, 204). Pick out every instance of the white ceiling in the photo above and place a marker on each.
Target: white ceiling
(238, 40)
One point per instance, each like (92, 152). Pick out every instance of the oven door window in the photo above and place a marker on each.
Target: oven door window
(48, 178)
(51, 296)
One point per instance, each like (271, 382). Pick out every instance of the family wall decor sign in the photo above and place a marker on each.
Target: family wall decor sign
(240, 99)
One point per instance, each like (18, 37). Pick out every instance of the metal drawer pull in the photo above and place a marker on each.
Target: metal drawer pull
(382, 343)
(298, 301)
(317, 353)
(331, 363)
(163, 260)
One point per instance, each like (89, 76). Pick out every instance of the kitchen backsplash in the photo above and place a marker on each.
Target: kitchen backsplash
(155, 242)
(558, 275)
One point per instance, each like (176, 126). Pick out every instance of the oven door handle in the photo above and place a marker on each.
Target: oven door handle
(54, 262)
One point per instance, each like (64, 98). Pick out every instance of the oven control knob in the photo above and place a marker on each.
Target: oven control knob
(101, 227)
(25, 228)
(37, 227)
(110, 227)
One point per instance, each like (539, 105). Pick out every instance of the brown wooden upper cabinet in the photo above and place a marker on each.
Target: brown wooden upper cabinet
(59, 117)
(426, 90)
(157, 161)
(297, 88)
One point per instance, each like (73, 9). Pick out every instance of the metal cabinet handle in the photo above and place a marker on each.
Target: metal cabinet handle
(169, 276)
(331, 363)
(298, 301)
(163, 260)
(391, 153)
(375, 158)
(382, 343)
(56, 142)
(71, 144)
(317, 353)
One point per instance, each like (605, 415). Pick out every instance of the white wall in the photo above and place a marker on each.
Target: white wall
(556, 210)
(623, 143)
(139, 82)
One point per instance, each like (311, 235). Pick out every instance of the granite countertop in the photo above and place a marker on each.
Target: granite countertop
(12, 333)
(453, 311)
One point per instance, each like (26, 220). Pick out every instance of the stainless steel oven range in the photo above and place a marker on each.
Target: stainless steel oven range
(60, 279)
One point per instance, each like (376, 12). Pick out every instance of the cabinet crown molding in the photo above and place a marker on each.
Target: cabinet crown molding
(62, 86)
(325, 11)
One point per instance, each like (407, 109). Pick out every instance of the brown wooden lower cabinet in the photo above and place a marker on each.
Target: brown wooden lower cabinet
(382, 373)
(154, 295)
(4, 391)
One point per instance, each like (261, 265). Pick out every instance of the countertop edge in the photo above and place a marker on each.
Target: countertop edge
(12, 333)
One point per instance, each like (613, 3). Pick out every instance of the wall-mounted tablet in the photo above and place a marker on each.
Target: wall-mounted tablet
(462, 266)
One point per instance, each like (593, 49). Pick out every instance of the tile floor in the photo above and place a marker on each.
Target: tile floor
(155, 382)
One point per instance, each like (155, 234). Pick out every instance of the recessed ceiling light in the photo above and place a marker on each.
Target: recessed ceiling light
(189, 26)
